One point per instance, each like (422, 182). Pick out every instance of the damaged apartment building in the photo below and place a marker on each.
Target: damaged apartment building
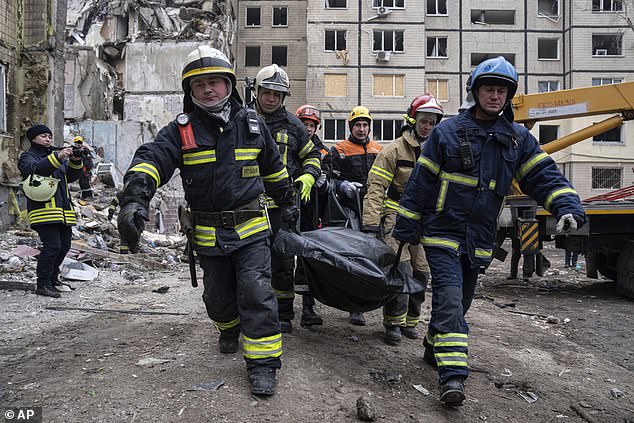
(108, 70)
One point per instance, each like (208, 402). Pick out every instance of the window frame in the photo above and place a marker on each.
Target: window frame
(544, 126)
(376, 4)
(285, 47)
(602, 10)
(394, 84)
(273, 8)
(543, 15)
(333, 74)
(620, 141)
(379, 136)
(549, 82)
(338, 124)
(437, 39)
(436, 7)
(246, 17)
(604, 168)
(595, 49)
(246, 48)
(435, 90)
(335, 7)
(394, 40)
(556, 40)
(336, 32)
(603, 81)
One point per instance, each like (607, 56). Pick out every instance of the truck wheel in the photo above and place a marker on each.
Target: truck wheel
(625, 270)
(606, 264)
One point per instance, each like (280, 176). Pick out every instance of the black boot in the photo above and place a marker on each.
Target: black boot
(262, 381)
(392, 335)
(452, 391)
(409, 332)
(309, 317)
(228, 342)
(428, 355)
(356, 318)
(47, 291)
(286, 325)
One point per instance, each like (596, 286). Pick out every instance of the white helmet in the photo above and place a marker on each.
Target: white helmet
(273, 78)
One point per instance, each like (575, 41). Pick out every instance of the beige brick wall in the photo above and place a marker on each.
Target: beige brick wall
(35, 22)
(8, 27)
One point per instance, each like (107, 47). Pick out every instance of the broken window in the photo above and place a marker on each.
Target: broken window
(605, 81)
(613, 135)
(548, 8)
(280, 16)
(439, 88)
(279, 55)
(547, 86)
(334, 130)
(493, 17)
(3, 99)
(253, 16)
(336, 4)
(392, 4)
(389, 86)
(387, 40)
(252, 56)
(548, 133)
(548, 49)
(437, 7)
(477, 58)
(607, 44)
(607, 5)
(607, 177)
(335, 85)
(437, 47)
(335, 40)
(386, 129)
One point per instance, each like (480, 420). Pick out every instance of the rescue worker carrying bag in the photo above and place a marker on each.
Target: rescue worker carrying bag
(39, 188)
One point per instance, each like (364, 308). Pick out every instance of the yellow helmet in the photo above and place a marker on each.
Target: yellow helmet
(359, 112)
(78, 139)
(39, 188)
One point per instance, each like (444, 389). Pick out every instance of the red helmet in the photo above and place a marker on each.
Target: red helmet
(309, 112)
(424, 103)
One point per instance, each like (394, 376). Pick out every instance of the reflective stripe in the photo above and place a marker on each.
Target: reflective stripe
(529, 165)
(451, 340)
(492, 184)
(200, 157)
(205, 236)
(46, 215)
(284, 295)
(149, 169)
(482, 252)
(440, 242)
(307, 148)
(451, 359)
(246, 153)
(431, 166)
(408, 213)
(459, 178)
(54, 160)
(227, 325)
(268, 347)
(556, 194)
(312, 161)
(388, 203)
(282, 138)
(395, 320)
(412, 322)
(252, 226)
(75, 165)
(276, 177)
(442, 195)
(379, 171)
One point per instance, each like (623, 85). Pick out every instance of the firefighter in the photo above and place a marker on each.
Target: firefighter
(227, 159)
(86, 174)
(302, 159)
(386, 182)
(452, 200)
(50, 209)
(352, 160)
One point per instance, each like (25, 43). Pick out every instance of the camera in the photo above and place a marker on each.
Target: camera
(80, 152)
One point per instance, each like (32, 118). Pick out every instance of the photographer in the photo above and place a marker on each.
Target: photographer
(80, 150)
(51, 214)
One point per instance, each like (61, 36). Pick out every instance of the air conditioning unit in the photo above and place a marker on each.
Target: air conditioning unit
(383, 56)
(383, 11)
(601, 52)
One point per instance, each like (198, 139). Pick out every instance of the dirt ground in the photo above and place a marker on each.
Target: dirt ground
(561, 340)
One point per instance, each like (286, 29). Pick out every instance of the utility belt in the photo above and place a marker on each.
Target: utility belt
(229, 218)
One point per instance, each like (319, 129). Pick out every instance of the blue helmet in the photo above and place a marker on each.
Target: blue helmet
(495, 71)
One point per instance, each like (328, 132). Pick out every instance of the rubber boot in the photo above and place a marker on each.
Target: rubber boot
(452, 391)
(392, 335)
(48, 291)
(286, 326)
(309, 317)
(262, 380)
(428, 355)
(409, 332)
(228, 341)
(356, 318)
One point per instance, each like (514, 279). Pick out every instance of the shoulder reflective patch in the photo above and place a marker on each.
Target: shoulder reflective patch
(250, 171)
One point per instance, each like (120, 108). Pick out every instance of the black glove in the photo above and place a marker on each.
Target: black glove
(110, 213)
(406, 230)
(290, 215)
(372, 230)
(131, 223)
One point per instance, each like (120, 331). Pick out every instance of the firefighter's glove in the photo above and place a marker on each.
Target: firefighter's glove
(131, 223)
(372, 230)
(321, 181)
(307, 180)
(406, 230)
(566, 224)
(349, 189)
(289, 215)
